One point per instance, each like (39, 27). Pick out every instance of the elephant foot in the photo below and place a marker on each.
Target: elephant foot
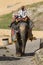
(23, 54)
(23, 51)
(18, 54)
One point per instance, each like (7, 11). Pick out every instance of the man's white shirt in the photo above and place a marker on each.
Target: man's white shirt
(22, 13)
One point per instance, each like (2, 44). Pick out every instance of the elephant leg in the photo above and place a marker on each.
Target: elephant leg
(23, 33)
(22, 40)
(23, 48)
(25, 40)
(18, 44)
(17, 47)
(24, 44)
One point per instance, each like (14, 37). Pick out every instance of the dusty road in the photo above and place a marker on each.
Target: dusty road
(8, 56)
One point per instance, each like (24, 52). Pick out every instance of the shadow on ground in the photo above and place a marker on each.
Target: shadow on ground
(29, 54)
(6, 58)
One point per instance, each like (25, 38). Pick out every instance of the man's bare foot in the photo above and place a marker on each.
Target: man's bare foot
(32, 38)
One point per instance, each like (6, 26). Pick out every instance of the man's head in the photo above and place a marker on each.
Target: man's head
(23, 8)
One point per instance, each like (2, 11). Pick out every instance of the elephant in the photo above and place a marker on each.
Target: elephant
(20, 35)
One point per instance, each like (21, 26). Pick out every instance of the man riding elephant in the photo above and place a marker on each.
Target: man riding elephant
(23, 24)
(22, 15)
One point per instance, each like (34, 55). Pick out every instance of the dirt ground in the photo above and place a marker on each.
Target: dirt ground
(8, 56)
